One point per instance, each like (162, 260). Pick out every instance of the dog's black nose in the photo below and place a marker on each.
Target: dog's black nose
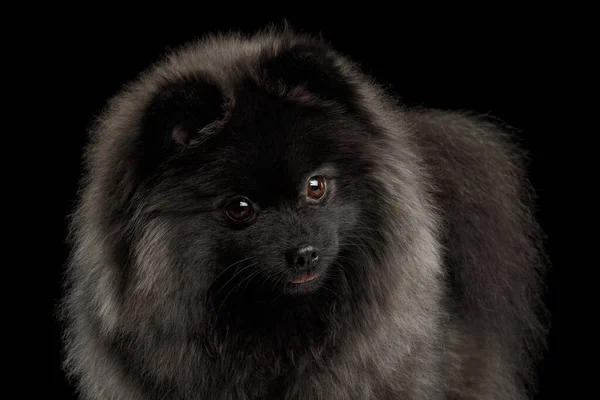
(304, 256)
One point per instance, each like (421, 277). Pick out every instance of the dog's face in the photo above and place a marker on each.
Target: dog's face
(269, 201)
(276, 191)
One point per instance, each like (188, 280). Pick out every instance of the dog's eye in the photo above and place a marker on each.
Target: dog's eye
(316, 187)
(239, 209)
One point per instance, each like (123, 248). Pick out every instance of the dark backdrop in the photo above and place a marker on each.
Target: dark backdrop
(498, 65)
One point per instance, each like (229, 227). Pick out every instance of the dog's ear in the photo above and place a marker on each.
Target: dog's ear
(179, 114)
(312, 67)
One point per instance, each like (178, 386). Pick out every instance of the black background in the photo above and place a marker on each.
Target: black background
(497, 62)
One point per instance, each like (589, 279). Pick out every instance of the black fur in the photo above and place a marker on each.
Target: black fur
(429, 257)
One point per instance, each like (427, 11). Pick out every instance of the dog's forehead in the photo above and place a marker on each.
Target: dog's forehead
(275, 135)
(267, 150)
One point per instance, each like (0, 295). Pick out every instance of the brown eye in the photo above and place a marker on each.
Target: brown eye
(239, 209)
(316, 187)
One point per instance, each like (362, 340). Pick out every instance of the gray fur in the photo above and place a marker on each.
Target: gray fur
(449, 308)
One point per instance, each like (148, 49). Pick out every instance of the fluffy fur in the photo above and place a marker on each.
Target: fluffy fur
(429, 252)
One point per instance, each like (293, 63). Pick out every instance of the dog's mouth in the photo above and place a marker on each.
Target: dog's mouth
(304, 278)
(304, 282)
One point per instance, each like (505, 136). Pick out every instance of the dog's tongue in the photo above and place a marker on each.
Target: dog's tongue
(305, 278)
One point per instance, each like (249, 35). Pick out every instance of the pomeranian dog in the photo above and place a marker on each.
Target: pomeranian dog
(258, 219)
